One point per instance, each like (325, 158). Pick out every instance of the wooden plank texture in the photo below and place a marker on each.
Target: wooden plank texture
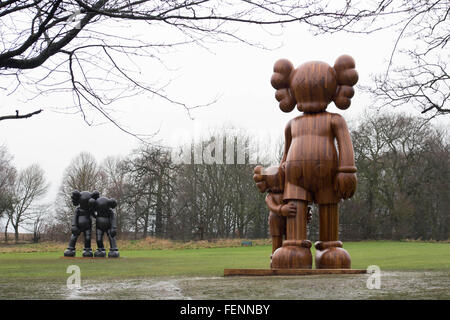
(290, 272)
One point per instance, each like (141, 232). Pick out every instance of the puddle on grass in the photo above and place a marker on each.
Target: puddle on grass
(127, 289)
(394, 285)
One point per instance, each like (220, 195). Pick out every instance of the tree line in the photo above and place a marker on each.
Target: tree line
(403, 174)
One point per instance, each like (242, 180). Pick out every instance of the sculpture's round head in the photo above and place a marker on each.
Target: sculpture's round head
(313, 85)
(102, 205)
(82, 198)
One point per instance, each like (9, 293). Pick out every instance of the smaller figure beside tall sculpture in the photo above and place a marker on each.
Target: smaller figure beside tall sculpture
(280, 211)
(90, 205)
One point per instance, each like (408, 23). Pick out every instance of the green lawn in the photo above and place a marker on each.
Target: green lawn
(211, 262)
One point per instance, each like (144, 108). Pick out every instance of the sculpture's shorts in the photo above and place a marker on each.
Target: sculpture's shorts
(311, 180)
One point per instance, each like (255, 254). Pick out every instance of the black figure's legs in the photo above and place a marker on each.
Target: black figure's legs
(113, 250)
(100, 239)
(70, 251)
(87, 239)
(101, 252)
(112, 242)
(87, 252)
(73, 241)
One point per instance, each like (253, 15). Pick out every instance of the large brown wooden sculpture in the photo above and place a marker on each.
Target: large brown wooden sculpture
(312, 170)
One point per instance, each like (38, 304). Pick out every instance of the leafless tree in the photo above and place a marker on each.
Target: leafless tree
(7, 177)
(417, 73)
(114, 170)
(74, 44)
(83, 174)
(219, 199)
(38, 220)
(29, 187)
(148, 189)
(403, 167)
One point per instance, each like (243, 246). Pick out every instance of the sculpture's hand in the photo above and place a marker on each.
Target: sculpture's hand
(76, 231)
(345, 184)
(259, 179)
(289, 210)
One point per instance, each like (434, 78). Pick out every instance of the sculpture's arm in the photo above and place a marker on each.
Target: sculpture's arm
(112, 220)
(345, 181)
(345, 146)
(273, 205)
(289, 209)
(287, 141)
(75, 218)
(75, 228)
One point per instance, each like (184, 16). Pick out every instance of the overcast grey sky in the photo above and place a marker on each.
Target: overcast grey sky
(238, 74)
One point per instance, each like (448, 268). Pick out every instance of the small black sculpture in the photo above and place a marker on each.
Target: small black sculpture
(105, 222)
(82, 221)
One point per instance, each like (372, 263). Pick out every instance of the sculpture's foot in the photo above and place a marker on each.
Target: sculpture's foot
(100, 253)
(70, 252)
(330, 255)
(113, 253)
(294, 254)
(87, 253)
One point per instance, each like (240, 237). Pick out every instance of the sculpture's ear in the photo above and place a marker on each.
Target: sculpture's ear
(346, 77)
(95, 194)
(76, 195)
(92, 204)
(280, 80)
(258, 169)
(112, 203)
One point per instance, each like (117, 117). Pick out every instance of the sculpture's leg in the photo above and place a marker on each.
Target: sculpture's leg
(296, 226)
(101, 252)
(277, 241)
(113, 250)
(70, 251)
(87, 252)
(295, 252)
(329, 252)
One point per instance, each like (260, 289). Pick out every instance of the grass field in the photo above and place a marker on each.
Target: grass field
(187, 273)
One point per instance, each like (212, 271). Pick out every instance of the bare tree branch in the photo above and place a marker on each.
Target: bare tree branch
(80, 57)
(20, 116)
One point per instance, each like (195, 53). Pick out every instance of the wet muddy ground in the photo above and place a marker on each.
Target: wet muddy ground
(394, 285)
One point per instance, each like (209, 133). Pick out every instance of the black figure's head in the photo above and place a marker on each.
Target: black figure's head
(103, 205)
(82, 198)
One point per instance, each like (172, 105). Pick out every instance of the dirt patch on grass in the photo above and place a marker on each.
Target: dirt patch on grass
(394, 285)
